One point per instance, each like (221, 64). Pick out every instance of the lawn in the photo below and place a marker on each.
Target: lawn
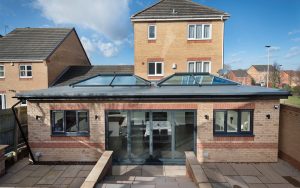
(292, 100)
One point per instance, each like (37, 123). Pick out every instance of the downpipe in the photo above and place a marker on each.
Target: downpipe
(21, 130)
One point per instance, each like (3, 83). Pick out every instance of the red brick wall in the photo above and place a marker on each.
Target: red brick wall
(262, 147)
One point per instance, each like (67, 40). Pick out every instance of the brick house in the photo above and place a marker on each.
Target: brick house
(147, 123)
(195, 33)
(32, 58)
(259, 73)
(240, 76)
(142, 121)
(290, 77)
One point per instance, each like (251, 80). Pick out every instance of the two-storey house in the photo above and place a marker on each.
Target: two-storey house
(178, 36)
(240, 76)
(259, 73)
(32, 58)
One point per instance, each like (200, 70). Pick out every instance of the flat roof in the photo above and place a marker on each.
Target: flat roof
(187, 86)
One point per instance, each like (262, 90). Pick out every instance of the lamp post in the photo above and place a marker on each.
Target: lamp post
(268, 47)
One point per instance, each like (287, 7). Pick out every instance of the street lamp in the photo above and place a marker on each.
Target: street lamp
(268, 47)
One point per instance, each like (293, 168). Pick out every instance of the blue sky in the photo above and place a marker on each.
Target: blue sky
(106, 32)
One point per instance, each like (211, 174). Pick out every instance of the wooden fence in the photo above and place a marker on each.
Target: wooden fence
(9, 132)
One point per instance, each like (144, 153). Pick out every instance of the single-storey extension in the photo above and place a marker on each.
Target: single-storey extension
(154, 122)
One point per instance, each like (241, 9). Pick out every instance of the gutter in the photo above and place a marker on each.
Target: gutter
(22, 133)
(145, 19)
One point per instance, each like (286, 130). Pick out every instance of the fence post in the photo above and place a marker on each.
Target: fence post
(16, 139)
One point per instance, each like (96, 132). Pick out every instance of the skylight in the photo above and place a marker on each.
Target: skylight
(194, 79)
(113, 80)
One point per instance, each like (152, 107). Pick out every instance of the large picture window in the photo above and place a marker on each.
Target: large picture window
(199, 31)
(233, 122)
(70, 122)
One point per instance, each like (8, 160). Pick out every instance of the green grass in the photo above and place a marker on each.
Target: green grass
(292, 100)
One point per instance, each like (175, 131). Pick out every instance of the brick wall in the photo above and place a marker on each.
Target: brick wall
(172, 47)
(259, 77)
(289, 137)
(262, 147)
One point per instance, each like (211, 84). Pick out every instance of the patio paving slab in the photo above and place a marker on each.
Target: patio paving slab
(221, 185)
(253, 185)
(28, 182)
(63, 181)
(245, 169)
(50, 178)
(204, 185)
(18, 177)
(280, 186)
(41, 171)
(226, 169)
(71, 171)
(214, 175)
(77, 182)
(18, 166)
(269, 173)
(236, 181)
(251, 179)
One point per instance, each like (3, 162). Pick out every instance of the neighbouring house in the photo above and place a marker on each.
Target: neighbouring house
(178, 36)
(143, 122)
(240, 76)
(32, 58)
(290, 77)
(259, 73)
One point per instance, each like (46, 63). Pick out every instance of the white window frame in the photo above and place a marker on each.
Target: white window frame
(202, 65)
(3, 100)
(3, 71)
(26, 71)
(155, 69)
(195, 32)
(154, 32)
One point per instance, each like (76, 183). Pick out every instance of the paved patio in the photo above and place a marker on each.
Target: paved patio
(22, 174)
(219, 175)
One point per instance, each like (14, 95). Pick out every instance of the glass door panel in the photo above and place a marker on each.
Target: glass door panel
(162, 135)
(184, 133)
(117, 134)
(140, 135)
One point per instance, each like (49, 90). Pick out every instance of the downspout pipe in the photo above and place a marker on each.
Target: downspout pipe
(21, 130)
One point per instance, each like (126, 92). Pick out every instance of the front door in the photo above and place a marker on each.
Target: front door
(141, 137)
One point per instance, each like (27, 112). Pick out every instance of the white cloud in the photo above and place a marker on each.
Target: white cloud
(109, 18)
(88, 45)
(108, 49)
(293, 51)
(294, 32)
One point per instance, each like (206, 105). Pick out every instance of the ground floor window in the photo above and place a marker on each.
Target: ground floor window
(70, 122)
(150, 136)
(2, 101)
(233, 122)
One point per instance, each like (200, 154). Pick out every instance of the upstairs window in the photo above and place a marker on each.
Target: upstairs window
(155, 69)
(2, 73)
(199, 66)
(70, 123)
(152, 32)
(199, 31)
(25, 71)
(233, 122)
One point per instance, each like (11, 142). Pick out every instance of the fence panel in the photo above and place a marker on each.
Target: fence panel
(9, 131)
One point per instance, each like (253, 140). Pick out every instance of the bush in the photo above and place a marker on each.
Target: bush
(296, 90)
(287, 87)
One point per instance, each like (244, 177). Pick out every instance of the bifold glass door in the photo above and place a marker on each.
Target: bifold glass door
(139, 137)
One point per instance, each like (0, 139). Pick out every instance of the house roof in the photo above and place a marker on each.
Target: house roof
(291, 72)
(31, 43)
(170, 9)
(74, 74)
(154, 92)
(240, 73)
(263, 68)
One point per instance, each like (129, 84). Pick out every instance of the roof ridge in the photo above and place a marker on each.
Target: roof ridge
(198, 4)
(147, 8)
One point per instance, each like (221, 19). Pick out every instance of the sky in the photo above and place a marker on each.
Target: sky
(106, 32)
